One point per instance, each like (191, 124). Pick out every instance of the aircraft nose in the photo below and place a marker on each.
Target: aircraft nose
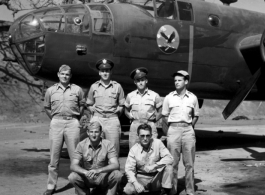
(27, 42)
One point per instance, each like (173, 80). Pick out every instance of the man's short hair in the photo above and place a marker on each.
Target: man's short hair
(94, 125)
(144, 126)
(64, 67)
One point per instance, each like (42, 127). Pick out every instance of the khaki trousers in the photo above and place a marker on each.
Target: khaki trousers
(61, 131)
(152, 183)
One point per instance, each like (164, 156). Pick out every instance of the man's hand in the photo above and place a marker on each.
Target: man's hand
(92, 173)
(150, 168)
(139, 187)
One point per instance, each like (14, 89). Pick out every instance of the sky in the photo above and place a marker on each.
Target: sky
(254, 5)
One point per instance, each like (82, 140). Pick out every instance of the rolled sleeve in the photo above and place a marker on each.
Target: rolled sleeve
(130, 167)
(47, 99)
(90, 97)
(165, 109)
(112, 151)
(78, 154)
(121, 96)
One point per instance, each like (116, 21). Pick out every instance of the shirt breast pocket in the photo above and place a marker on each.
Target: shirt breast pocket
(113, 98)
(98, 97)
(189, 108)
(88, 162)
(72, 97)
(139, 164)
(102, 160)
(149, 104)
(55, 99)
(134, 104)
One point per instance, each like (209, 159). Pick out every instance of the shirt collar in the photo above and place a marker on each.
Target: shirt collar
(101, 83)
(60, 85)
(150, 146)
(90, 145)
(186, 93)
(146, 91)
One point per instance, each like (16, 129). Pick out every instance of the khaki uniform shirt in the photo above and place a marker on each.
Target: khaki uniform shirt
(94, 158)
(105, 99)
(143, 106)
(180, 109)
(138, 158)
(64, 102)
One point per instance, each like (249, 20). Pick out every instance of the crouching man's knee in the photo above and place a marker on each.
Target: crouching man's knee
(73, 178)
(129, 189)
(169, 169)
(116, 176)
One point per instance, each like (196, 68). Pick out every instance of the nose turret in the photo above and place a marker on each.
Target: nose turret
(28, 33)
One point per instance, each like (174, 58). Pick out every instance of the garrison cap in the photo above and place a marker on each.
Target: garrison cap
(182, 73)
(94, 125)
(64, 67)
(104, 64)
(139, 73)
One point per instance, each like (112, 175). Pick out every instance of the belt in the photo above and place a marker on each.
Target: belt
(143, 120)
(179, 124)
(147, 174)
(65, 117)
(106, 115)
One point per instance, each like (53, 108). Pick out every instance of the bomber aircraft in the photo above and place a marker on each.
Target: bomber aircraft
(221, 47)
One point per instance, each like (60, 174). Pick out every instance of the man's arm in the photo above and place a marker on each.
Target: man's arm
(47, 103)
(165, 159)
(130, 170)
(194, 121)
(159, 114)
(75, 167)
(113, 165)
(165, 114)
(195, 116)
(121, 101)
(90, 100)
(48, 112)
(82, 102)
(128, 114)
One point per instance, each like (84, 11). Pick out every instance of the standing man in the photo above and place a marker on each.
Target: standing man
(142, 105)
(64, 105)
(106, 100)
(100, 164)
(181, 112)
(148, 165)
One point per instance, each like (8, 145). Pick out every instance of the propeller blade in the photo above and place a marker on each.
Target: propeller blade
(241, 95)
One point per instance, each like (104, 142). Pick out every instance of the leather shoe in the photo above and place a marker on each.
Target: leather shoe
(49, 192)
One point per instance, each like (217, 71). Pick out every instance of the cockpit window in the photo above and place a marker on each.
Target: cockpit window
(53, 22)
(102, 20)
(185, 11)
(50, 11)
(28, 27)
(74, 9)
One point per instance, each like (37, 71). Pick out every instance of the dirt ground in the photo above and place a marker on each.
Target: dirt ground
(230, 159)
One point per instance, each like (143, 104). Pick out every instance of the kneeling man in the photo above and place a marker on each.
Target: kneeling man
(148, 166)
(100, 166)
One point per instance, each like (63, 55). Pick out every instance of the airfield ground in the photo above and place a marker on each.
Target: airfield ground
(230, 159)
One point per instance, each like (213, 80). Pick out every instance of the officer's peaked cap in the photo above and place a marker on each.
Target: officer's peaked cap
(139, 73)
(104, 64)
